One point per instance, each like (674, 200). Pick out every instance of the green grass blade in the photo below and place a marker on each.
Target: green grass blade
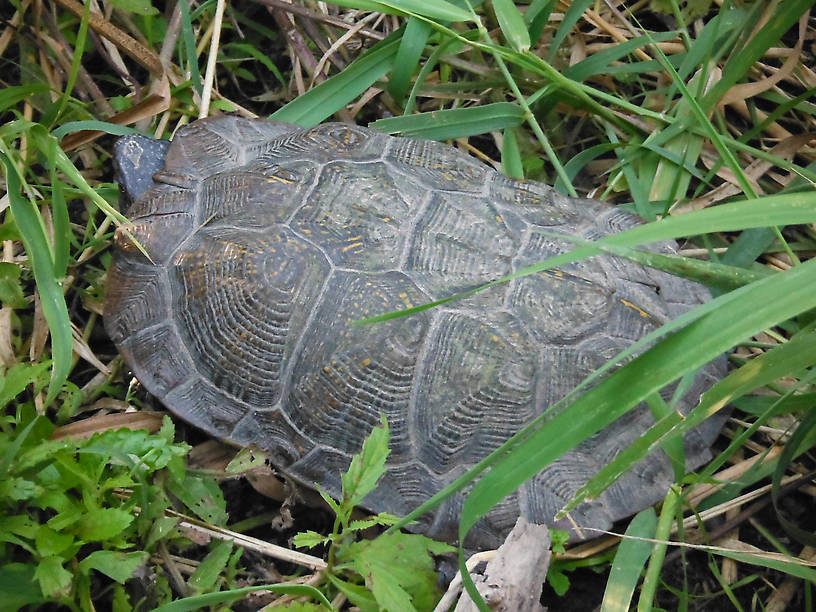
(198, 602)
(786, 209)
(537, 15)
(38, 249)
(789, 359)
(189, 48)
(511, 155)
(601, 62)
(571, 17)
(10, 96)
(709, 273)
(333, 94)
(685, 351)
(787, 13)
(92, 124)
(408, 58)
(630, 559)
(663, 533)
(455, 122)
(512, 25)
(438, 9)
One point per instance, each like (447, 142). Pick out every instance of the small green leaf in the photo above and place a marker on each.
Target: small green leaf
(139, 7)
(160, 529)
(102, 524)
(382, 519)
(203, 496)
(558, 580)
(245, 460)
(11, 291)
(55, 580)
(18, 489)
(356, 594)
(209, 570)
(309, 539)
(398, 569)
(366, 467)
(118, 566)
(51, 542)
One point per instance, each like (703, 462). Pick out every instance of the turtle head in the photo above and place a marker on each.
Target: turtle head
(137, 158)
(160, 213)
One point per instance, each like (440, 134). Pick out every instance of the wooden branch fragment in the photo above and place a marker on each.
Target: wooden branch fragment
(513, 579)
(121, 39)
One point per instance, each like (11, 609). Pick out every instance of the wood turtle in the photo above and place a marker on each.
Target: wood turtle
(267, 240)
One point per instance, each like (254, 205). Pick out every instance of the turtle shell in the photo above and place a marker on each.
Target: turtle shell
(266, 241)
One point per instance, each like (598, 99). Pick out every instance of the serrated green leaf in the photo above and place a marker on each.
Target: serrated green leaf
(118, 566)
(18, 489)
(246, 459)
(55, 580)
(203, 496)
(356, 594)
(101, 524)
(366, 467)
(21, 525)
(309, 539)
(51, 542)
(11, 291)
(398, 569)
(382, 519)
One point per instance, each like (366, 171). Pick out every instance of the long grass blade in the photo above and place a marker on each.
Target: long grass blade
(333, 94)
(40, 255)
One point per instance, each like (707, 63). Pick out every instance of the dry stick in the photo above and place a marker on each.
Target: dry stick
(317, 16)
(341, 41)
(297, 43)
(125, 42)
(209, 76)
(11, 28)
(781, 596)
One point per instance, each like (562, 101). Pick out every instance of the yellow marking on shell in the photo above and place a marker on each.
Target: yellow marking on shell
(278, 179)
(402, 294)
(326, 368)
(640, 311)
(499, 219)
(355, 238)
(306, 231)
(365, 363)
(385, 219)
(351, 246)
(495, 338)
